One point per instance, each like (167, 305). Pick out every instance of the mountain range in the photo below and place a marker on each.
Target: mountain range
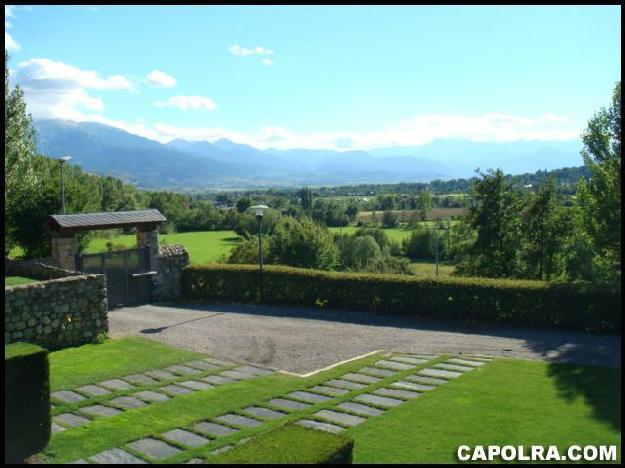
(185, 165)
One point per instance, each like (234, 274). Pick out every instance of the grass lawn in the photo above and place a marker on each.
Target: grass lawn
(73, 367)
(203, 247)
(503, 402)
(396, 234)
(17, 280)
(424, 268)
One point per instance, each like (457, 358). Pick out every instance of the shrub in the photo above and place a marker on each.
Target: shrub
(293, 445)
(26, 401)
(517, 302)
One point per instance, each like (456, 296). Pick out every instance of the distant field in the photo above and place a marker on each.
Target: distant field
(423, 268)
(396, 234)
(203, 247)
(406, 215)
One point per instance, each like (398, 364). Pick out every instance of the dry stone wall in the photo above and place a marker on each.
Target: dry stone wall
(56, 313)
(42, 269)
(167, 283)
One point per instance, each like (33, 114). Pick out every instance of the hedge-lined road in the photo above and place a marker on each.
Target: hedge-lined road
(302, 340)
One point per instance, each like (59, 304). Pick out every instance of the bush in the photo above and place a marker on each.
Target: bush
(293, 445)
(26, 401)
(516, 302)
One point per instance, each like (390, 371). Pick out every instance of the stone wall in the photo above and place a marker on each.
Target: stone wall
(167, 283)
(41, 269)
(57, 313)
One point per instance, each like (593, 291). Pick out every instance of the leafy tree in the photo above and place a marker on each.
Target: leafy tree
(307, 200)
(390, 219)
(424, 203)
(243, 204)
(494, 216)
(19, 151)
(357, 252)
(545, 228)
(600, 197)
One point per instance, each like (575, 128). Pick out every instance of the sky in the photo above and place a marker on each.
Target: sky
(335, 77)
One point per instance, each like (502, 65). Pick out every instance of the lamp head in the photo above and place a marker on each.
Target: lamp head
(65, 159)
(259, 210)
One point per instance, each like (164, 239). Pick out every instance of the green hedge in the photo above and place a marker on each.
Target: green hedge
(290, 444)
(26, 401)
(525, 303)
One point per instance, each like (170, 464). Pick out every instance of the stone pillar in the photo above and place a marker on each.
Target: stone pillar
(149, 236)
(64, 251)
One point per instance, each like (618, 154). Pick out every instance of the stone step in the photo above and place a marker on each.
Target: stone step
(160, 374)
(288, 404)
(439, 373)
(395, 393)
(345, 384)
(195, 385)
(140, 379)
(378, 372)
(70, 419)
(186, 438)
(425, 380)
(176, 390)
(127, 402)
(116, 384)
(412, 386)
(67, 396)
(319, 425)
(265, 413)
(99, 410)
(182, 370)
(149, 395)
(398, 366)
(453, 367)
(218, 379)
(214, 429)
(329, 390)
(153, 448)
(219, 362)
(308, 397)
(408, 360)
(342, 419)
(238, 420)
(254, 370)
(378, 400)
(116, 456)
(238, 375)
(357, 408)
(360, 378)
(93, 390)
(466, 362)
(202, 365)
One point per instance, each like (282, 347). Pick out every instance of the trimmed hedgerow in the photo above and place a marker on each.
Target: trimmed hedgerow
(26, 401)
(293, 445)
(516, 302)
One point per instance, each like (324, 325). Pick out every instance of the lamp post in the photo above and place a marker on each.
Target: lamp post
(63, 160)
(259, 211)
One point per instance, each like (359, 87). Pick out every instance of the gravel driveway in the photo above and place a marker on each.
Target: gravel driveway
(302, 340)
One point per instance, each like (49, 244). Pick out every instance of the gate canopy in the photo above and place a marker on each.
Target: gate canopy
(66, 225)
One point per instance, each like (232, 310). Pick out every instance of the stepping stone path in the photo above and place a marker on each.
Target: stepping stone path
(388, 383)
(153, 448)
(67, 396)
(128, 402)
(266, 413)
(116, 384)
(186, 438)
(54, 427)
(339, 418)
(116, 456)
(141, 379)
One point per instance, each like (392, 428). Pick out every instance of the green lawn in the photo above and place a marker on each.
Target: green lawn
(396, 234)
(504, 402)
(424, 268)
(203, 247)
(17, 280)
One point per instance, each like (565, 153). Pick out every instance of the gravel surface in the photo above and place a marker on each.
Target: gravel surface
(303, 340)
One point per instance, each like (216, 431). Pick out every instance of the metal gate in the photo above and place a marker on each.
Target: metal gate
(128, 274)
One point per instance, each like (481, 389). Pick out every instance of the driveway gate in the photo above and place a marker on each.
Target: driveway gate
(128, 274)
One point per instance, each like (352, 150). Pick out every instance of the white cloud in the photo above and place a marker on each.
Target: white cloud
(54, 89)
(10, 43)
(236, 49)
(267, 61)
(160, 79)
(188, 103)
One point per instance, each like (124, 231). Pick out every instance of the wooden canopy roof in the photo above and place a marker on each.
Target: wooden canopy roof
(71, 224)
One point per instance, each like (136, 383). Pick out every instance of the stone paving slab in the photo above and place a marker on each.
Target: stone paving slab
(308, 397)
(266, 413)
(80, 461)
(357, 408)
(329, 390)
(481, 357)
(238, 375)
(319, 425)
(140, 379)
(201, 364)
(183, 370)
(466, 362)
(409, 360)
(223, 449)
(378, 372)
(254, 370)
(217, 379)
(288, 404)
(238, 420)
(54, 427)
(360, 378)
(425, 380)
(70, 419)
(116, 384)
(395, 393)
(219, 362)
(67, 396)
(439, 373)
(214, 429)
(378, 400)
(398, 366)
(412, 386)
(345, 384)
(128, 402)
(195, 461)
(99, 410)
(116, 456)
(342, 419)
(149, 395)
(186, 438)
(153, 448)
(453, 367)
(160, 374)
(195, 385)
(93, 390)
(176, 390)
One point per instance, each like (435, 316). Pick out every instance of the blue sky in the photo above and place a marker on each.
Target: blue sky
(335, 77)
